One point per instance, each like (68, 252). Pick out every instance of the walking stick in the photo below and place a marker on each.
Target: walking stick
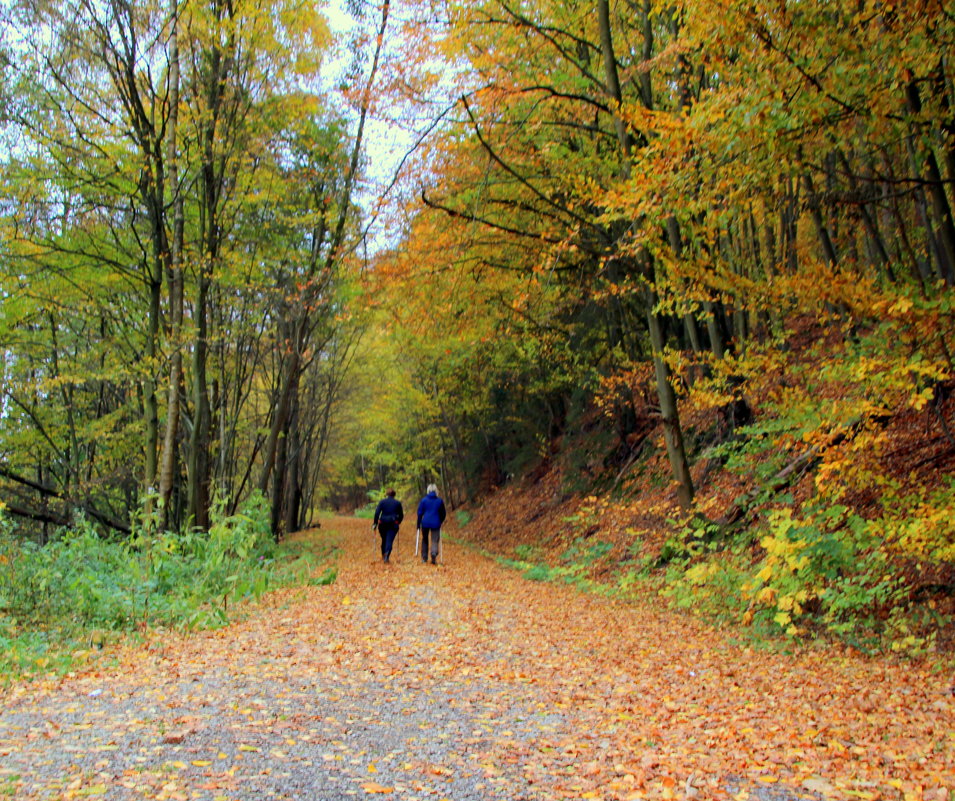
(417, 541)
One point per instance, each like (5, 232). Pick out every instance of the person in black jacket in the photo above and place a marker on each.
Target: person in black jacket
(388, 516)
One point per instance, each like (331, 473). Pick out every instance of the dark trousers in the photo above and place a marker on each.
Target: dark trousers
(387, 532)
(435, 537)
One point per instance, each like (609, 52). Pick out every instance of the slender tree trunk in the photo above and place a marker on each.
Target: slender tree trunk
(171, 435)
(71, 465)
(613, 80)
(940, 205)
(150, 400)
(788, 225)
(918, 263)
(280, 415)
(278, 485)
(877, 246)
(293, 490)
(198, 509)
(218, 63)
(689, 321)
(672, 432)
(815, 209)
(644, 79)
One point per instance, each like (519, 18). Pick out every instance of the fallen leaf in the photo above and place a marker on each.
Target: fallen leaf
(374, 787)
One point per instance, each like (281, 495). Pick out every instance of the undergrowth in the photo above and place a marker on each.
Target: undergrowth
(822, 571)
(844, 503)
(62, 600)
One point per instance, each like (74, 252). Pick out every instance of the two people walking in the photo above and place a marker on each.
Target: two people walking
(431, 514)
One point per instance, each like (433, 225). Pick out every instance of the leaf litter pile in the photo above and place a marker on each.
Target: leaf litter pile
(466, 681)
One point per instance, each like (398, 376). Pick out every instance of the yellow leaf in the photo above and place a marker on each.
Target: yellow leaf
(767, 779)
(248, 748)
(201, 763)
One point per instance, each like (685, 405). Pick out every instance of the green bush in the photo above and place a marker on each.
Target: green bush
(81, 581)
(824, 566)
(825, 569)
(367, 511)
(538, 573)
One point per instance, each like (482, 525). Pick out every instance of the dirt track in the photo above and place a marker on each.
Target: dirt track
(466, 681)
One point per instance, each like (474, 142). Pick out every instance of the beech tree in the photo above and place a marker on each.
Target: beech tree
(151, 139)
(674, 184)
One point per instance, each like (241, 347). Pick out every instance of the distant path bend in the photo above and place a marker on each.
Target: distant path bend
(468, 682)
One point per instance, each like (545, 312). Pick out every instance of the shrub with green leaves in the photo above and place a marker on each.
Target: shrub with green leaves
(81, 581)
(823, 568)
(826, 566)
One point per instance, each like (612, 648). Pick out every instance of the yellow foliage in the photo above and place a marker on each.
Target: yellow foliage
(925, 529)
(700, 573)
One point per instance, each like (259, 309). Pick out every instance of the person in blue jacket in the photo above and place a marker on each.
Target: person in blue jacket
(388, 516)
(431, 514)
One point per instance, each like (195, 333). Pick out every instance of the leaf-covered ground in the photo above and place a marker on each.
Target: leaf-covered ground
(466, 681)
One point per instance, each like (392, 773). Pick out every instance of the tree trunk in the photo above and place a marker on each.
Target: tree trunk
(293, 489)
(613, 81)
(150, 400)
(940, 205)
(672, 432)
(280, 415)
(170, 437)
(199, 440)
(825, 239)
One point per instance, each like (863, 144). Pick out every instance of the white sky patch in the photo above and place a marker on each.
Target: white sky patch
(390, 134)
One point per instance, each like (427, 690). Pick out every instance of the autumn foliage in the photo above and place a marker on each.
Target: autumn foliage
(685, 266)
(719, 232)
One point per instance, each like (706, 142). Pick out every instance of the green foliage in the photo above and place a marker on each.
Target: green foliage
(327, 577)
(367, 511)
(585, 552)
(539, 573)
(824, 570)
(81, 582)
(463, 517)
(575, 567)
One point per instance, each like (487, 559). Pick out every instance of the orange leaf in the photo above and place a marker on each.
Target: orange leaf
(374, 787)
